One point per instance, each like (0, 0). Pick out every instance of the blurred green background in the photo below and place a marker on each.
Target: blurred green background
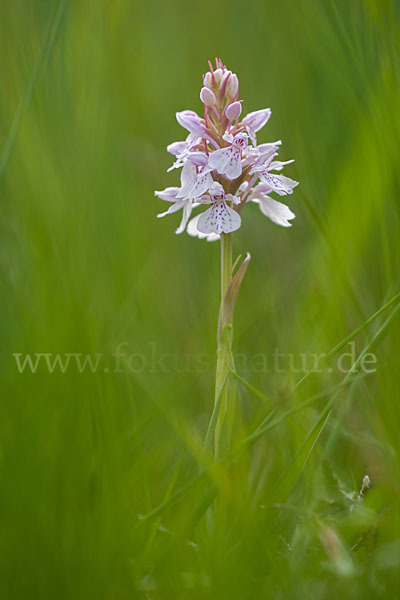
(88, 94)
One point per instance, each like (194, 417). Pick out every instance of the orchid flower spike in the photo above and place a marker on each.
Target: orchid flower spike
(225, 168)
(219, 155)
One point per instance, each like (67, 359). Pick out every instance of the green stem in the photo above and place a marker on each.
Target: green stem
(224, 385)
(226, 276)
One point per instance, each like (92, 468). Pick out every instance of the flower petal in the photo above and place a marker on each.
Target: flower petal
(278, 183)
(220, 218)
(264, 160)
(227, 161)
(206, 199)
(194, 232)
(277, 165)
(198, 158)
(252, 135)
(228, 137)
(197, 186)
(261, 188)
(169, 194)
(173, 208)
(276, 211)
(257, 119)
(188, 173)
(187, 211)
(190, 121)
(176, 148)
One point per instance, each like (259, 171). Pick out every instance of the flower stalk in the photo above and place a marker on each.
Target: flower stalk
(223, 399)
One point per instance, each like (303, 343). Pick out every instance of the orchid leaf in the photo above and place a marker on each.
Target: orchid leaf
(233, 289)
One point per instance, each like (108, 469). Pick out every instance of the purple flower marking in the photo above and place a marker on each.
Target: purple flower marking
(220, 218)
(228, 161)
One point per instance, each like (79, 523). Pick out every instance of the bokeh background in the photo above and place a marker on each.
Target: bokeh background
(93, 465)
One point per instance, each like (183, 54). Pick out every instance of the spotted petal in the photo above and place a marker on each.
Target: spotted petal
(194, 232)
(197, 186)
(263, 161)
(220, 218)
(278, 183)
(227, 161)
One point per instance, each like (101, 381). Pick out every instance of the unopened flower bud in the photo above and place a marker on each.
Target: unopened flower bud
(207, 97)
(224, 82)
(225, 77)
(208, 80)
(233, 111)
(232, 86)
(218, 74)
